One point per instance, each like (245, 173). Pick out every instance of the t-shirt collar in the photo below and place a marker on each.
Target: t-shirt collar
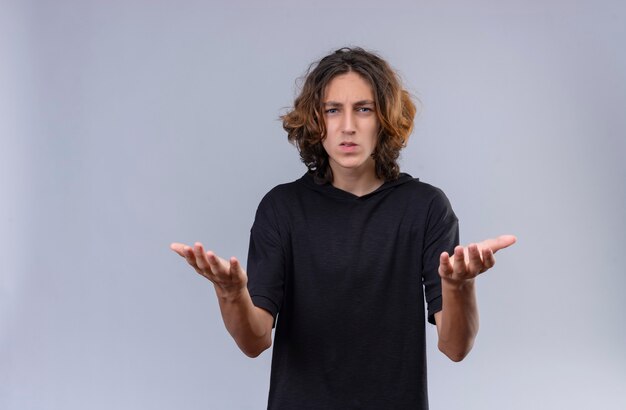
(328, 188)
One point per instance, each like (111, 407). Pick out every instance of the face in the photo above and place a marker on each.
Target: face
(351, 124)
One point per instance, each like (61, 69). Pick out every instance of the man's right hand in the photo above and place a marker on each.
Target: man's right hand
(228, 277)
(250, 326)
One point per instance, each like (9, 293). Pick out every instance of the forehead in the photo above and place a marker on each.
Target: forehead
(348, 87)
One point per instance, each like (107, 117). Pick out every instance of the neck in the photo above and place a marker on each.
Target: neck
(356, 181)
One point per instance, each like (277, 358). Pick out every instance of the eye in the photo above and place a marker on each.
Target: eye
(364, 109)
(331, 111)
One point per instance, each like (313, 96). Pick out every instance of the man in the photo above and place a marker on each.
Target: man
(342, 259)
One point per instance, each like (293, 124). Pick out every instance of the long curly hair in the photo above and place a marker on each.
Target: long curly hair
(395, 111)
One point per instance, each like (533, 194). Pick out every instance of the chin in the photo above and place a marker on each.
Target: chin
(352, 165)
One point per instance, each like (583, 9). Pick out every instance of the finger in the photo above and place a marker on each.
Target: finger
(201, 258)
(189, 256)
(445, 266)
(179, 248)
(235, 268)
(475, 261)
(489, 259)
(216, 264)
(460, 265)
(501, 242)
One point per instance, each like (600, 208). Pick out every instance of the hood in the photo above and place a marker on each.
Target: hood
(327, 188)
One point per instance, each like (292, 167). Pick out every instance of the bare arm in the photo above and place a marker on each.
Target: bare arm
(457, 322)
(250, 326)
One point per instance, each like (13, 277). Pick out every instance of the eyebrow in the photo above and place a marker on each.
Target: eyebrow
(338, 104)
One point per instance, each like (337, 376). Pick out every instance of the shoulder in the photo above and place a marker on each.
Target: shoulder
(426, 200)
(276, 204)
(420, 190)
(282, 193)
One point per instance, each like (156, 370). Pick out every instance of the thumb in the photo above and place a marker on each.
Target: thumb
(501, 242)
(178, 248)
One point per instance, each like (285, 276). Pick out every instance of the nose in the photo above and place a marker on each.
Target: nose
(347, 123)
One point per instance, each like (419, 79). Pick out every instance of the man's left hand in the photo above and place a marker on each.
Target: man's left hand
(469, 262)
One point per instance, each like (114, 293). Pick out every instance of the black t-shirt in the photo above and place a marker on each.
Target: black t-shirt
(346, 278)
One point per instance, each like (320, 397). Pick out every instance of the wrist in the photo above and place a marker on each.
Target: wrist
(230, 295)
(458, 285)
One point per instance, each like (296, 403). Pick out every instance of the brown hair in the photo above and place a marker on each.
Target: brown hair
(395, 111)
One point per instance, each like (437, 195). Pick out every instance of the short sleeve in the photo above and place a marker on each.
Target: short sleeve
(442, 234)
(266, 266)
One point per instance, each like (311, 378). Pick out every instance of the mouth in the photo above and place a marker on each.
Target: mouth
(348, 147)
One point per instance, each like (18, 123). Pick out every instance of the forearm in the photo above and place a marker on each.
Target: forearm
(251, 327)
(459, 319)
